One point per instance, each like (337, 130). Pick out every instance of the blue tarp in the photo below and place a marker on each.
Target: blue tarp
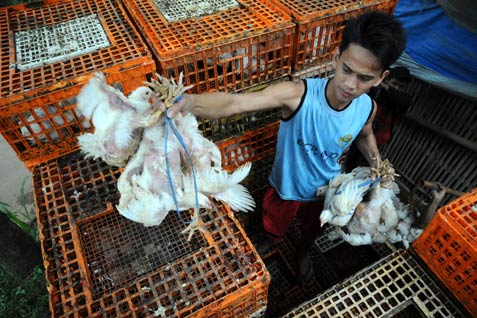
(439, 45)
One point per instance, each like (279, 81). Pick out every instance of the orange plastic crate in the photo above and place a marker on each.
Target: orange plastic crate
(100, 264)
(319, 27)
(251, 146)
(449, 247)
(229, 50)
(48, 50)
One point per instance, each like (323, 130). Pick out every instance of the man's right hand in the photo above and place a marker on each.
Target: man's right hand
(182, 106)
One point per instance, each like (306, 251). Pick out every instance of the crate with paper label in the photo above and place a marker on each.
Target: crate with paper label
(48, 50)
(319, 26)
(449, 248)
(223, 45)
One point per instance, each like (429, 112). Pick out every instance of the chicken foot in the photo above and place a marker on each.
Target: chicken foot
(194, 226)
(168, 90)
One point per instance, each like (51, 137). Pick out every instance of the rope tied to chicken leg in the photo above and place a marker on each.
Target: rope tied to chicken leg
(169, 123)
(171, 92)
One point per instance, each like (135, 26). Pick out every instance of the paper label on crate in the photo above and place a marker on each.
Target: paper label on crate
(53, 43)
(186, 9)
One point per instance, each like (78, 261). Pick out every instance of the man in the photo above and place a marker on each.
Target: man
(392, 103)
(320, 119)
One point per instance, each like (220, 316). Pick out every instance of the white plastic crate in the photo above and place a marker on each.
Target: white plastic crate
(395, 285)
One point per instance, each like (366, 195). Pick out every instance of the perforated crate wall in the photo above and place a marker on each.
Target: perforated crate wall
(319, 26)
(229, 50)
(395, 285)
(47, 51)
(100, 264)
(448, 246)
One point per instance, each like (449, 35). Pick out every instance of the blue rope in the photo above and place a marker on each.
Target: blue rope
(372, 184)
(182, 143)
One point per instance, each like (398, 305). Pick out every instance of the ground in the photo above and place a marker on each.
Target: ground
(12, 174)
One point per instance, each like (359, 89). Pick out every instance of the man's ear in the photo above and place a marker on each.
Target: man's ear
(381, 77)
(336, 56)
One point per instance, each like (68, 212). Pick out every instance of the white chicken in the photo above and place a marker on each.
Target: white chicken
(177, 169)
(117, 120)
(345, 192)
(382, 218)
(371, 219)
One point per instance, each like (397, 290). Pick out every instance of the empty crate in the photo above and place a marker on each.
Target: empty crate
(225, 45)
(319, 26)
(449, 247)
(395, 286)
(48, 50)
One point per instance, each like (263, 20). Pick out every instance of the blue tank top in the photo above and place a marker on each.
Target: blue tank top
(311, 141)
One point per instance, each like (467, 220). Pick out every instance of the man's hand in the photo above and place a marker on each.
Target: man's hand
(184, 105)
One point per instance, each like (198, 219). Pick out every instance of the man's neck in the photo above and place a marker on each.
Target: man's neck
(331, 97)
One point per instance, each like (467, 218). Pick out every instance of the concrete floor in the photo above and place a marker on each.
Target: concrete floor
(12, 174)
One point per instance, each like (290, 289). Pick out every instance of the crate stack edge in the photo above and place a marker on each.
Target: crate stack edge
(48, 51)
(448, 246)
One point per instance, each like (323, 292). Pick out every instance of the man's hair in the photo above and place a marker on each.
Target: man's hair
(380, 33)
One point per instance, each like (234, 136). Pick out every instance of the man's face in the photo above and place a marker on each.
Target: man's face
(357, 70)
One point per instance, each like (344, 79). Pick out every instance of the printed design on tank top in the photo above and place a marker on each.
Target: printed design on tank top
(313, 150)
(344, 141)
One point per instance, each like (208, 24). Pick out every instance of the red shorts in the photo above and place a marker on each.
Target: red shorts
(278, 215)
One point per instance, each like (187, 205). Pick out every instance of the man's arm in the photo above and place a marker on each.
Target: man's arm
(366, 141)
(285, 95)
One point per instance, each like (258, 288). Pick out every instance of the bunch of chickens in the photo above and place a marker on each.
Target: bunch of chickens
(381, 218)
(169, 164)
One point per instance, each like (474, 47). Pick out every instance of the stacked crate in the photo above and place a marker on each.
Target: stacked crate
(47, 52)
(449, 247)
(319, 27)
(395, 286)
(220, 45)
(100, 264)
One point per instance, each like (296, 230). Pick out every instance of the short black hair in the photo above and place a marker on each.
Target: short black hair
(378, 32)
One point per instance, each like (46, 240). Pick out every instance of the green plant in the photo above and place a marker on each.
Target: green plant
(23, 297)
(30, 226)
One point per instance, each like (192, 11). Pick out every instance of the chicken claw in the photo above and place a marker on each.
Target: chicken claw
(385, 170)
(194, 225)
(168, 90)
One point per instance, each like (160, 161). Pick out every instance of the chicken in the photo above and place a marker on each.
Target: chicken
(369, 221)
(345, 192)
(382, 218)
(176, 168)
(118, 121)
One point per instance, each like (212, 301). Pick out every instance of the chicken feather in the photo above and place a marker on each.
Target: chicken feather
(117, 120)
